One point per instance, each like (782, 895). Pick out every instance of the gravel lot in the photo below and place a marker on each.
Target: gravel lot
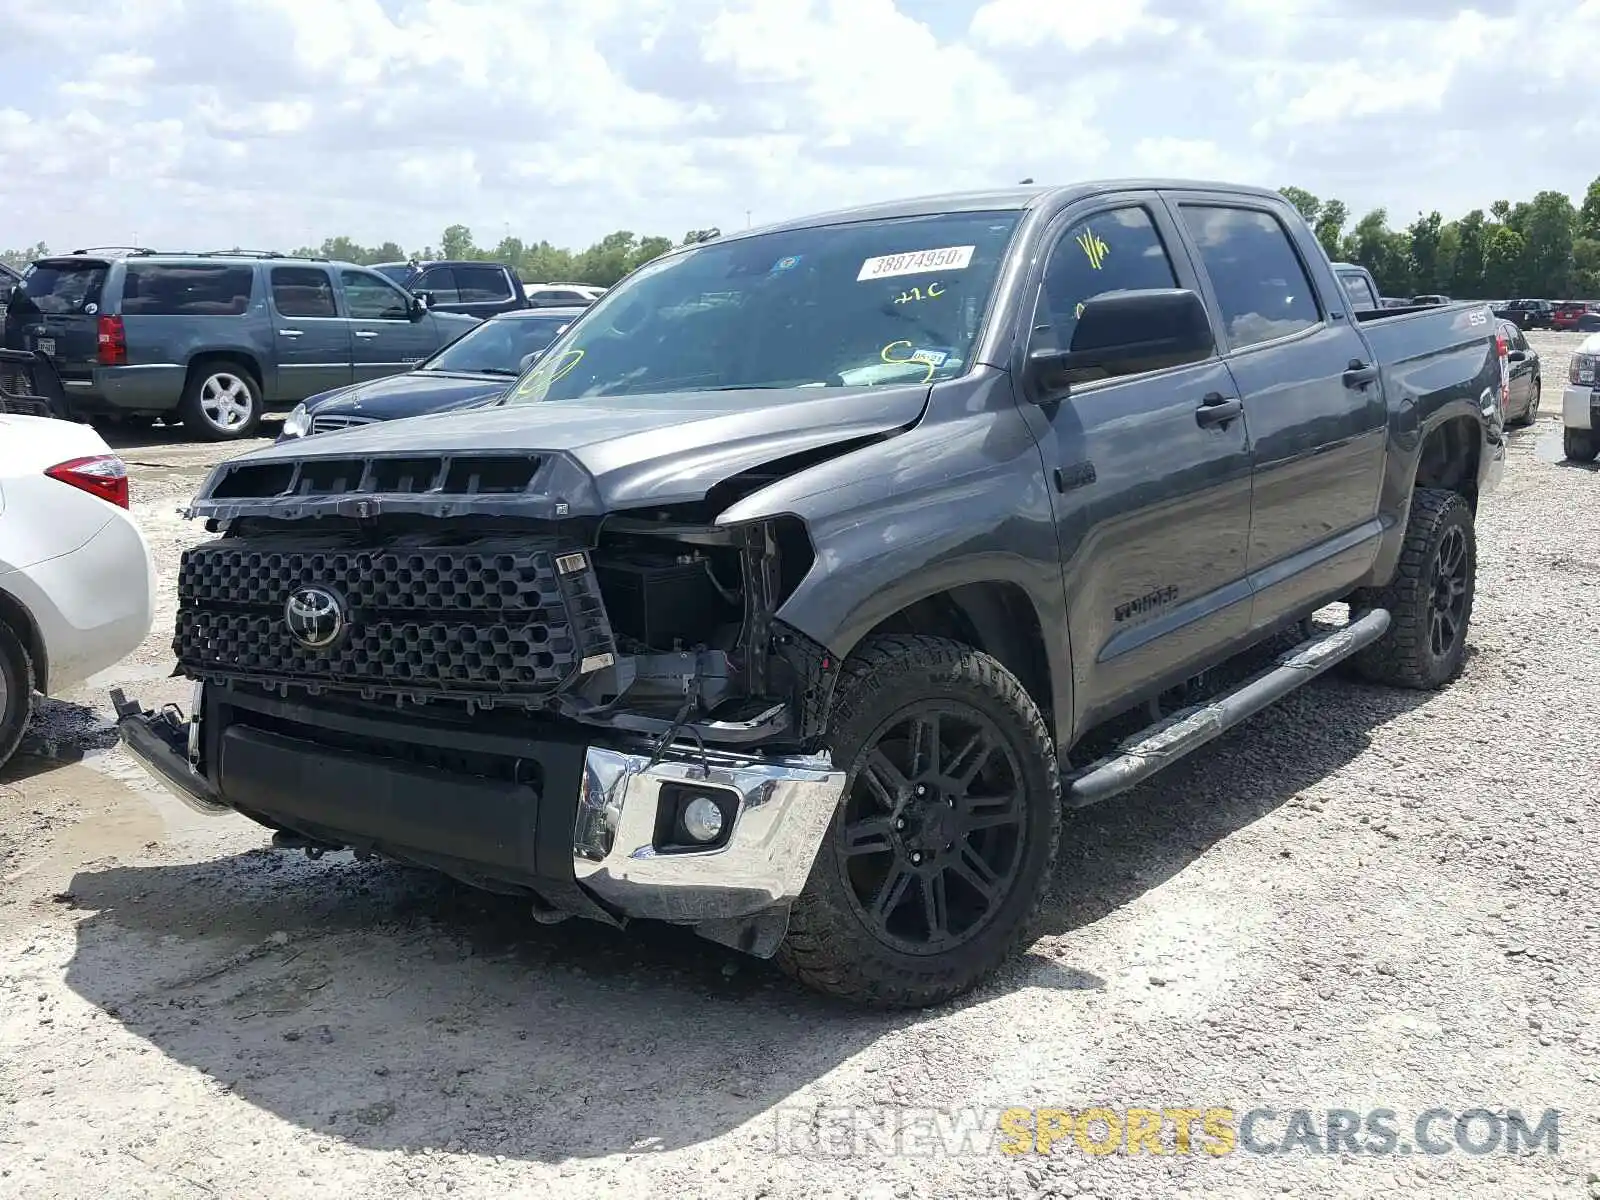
(1360, 899)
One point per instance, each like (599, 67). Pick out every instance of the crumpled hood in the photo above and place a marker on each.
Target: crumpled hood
(601, 454)
(412, 394)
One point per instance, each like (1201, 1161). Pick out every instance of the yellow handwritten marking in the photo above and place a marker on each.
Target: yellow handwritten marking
(540, 379)
(1077, 312)
(912, 295)
(1094, 248)
(910, 358)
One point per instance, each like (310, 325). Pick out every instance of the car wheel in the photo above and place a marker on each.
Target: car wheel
(220, 403)
(1533, 401)
(939, 854)
(1429, 600)
(16, 691)
(1579, 445)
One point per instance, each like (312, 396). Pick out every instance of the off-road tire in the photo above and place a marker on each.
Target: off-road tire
(16, 694)
(1404, 657)
(191, 408)
(1579, 445)
(829, 946)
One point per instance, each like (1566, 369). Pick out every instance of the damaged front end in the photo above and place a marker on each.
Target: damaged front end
(461, 660)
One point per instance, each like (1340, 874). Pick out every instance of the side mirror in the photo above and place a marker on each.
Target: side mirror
(1517, 356)
(528, 360)
(1124, 333)
(419, 308)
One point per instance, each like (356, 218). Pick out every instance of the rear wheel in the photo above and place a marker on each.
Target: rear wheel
(220, 402)
(1532, 413)
(1429, 599)
(16, 691)
(1579, 445)
(939, 854)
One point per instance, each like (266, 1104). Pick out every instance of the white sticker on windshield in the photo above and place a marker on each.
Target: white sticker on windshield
(947, 258)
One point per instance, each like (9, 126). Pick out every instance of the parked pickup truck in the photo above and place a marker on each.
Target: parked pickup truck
(478, 289)
(778, 598)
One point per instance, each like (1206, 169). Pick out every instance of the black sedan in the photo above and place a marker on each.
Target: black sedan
(1522, 408)
(472, 370)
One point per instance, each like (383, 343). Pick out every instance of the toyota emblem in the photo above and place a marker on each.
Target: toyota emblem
(314, 616)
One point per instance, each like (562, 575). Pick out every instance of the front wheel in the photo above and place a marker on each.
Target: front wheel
(1579, 445)
(1430, 598)
(938, 857)
(221, 402)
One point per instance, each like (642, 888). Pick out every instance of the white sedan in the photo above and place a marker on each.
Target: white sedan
(77, 582)
(1581, 401)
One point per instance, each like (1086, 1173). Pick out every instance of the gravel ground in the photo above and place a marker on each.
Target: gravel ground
(1360, 899)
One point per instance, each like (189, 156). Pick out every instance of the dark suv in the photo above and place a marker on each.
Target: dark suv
(216, 338)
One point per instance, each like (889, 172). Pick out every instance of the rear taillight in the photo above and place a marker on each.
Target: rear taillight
(103, 475)
(1502, 349)
(113, 343)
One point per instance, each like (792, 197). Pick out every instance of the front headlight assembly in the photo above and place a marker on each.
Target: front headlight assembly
(298, 422)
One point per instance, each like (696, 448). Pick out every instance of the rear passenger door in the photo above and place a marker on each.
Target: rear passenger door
(310, 335)
(1318, 422)
(440, 284)
(484, 291)
(384, 338)
(1152, 498)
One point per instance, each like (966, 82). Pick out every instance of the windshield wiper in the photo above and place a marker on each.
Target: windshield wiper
(498, 371)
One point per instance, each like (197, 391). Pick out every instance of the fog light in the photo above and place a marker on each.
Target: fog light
(702, 819)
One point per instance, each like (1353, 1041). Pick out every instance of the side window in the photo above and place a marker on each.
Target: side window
(1262, 288)
(1114, 251)
(481, 285)
(201, 289)
(441, 281)
(370, 298)
(303, 292)
(1360, 294)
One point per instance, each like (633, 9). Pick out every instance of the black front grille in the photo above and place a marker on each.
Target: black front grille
(509, 622)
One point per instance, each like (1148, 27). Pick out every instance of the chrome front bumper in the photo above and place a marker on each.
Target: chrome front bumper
(780, 810)
(624, 855)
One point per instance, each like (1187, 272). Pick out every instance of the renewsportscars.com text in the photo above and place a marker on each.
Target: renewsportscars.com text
(875, 1130)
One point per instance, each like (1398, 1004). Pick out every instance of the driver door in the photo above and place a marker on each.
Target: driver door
(1151, 494)
(384, 338)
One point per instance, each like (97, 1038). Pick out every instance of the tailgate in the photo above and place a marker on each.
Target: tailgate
(56, 313)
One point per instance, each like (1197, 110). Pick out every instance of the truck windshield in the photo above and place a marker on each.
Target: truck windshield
(871, 302)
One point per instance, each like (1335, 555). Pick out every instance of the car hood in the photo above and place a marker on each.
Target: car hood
(588, 456)
(410, 395)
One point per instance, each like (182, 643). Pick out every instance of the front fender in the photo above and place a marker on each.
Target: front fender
(961, 498)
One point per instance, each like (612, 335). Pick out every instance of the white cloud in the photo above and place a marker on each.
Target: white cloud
(279, 122)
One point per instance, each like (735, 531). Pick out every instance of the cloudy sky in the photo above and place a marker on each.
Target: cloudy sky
(274, 123)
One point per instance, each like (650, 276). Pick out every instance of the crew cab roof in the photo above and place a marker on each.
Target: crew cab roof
(1022, 197)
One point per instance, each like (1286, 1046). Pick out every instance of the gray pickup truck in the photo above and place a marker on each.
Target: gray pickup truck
(215, 339)
(788, 596)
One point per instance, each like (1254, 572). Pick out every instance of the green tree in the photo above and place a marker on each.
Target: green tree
(1303, 200)
(1329, 225)
(1467, 280)
(1502, 261)
(1589, 214)
(649, 248)
(456, 242)
(1586, 268)
(1423, 249)
(20, 259)
(1500, 210)
(1549, 226)
(388, 252)
(1385, 253)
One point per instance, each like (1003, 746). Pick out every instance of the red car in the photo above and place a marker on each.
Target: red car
(1567, 314)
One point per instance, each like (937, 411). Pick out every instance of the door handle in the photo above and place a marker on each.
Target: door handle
(365, 333)
(290, 332)
(1359, 374)
(1217, 409)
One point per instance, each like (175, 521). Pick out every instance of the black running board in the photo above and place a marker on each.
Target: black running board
(1164, 743)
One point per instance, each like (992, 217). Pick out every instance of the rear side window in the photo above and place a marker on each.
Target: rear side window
(1262, 289)
(303, 292)
(62, 287)
(441, 281)
(481, 285)
(202, 289)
